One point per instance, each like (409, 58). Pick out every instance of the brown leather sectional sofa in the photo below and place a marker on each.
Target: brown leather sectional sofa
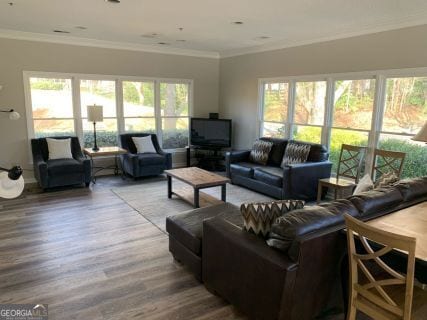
(298, 279)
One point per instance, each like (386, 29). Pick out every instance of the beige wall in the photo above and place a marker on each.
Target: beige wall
(404, 48)
(17, 56)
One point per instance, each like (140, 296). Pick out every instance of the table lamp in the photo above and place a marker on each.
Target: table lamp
(11, 182)
(422, 134)
(94, 115)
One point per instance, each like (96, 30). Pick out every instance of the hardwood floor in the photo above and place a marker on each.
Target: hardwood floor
(89, 255)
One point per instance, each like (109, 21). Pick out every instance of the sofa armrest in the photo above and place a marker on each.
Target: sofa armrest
(40, 170)
(235, 156)
(168, 157)
(87, 167)
(239, 266)
(130, 163)
(302, 179)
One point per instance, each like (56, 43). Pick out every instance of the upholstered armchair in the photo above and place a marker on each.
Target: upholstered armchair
(143, 164)
(60, 172)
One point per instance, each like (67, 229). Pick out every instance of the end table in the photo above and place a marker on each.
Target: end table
(103, 152)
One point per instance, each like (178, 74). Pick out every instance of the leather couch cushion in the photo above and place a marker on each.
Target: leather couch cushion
(187, 227)
(151, 159)
(64, 166)
(269, 175)
(377, 200)
(412, 189)
(244, 169)
(277, 151)
(297, 223)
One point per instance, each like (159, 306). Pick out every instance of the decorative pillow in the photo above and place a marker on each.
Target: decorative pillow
(259, 216)
(144, 144)
(260, 151)
(365, 184)
(59, 148)
(295, 153)
(386, 179)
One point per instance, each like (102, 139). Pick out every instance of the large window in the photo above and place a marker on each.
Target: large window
(59, 107)
(51, 106)
(379, 110)
(274, 114)
(309, 111)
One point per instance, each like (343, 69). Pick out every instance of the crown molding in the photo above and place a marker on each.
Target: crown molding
(417, 20)
(65, 39)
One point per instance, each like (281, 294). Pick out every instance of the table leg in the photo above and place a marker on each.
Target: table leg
(116, 166)
(224, 192)
(196, 198)
(319, 192)
(169, 186)
(92, 168)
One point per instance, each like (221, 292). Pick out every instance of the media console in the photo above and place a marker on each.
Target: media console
(208, 158)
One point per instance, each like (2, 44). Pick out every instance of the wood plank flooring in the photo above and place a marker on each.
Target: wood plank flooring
(89, 255)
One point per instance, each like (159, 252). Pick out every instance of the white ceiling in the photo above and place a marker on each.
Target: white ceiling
(207, 25)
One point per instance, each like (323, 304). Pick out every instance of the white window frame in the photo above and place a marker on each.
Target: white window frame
(75, 83)
(380, 77)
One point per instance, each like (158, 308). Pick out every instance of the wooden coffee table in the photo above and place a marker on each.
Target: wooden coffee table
(198, 179)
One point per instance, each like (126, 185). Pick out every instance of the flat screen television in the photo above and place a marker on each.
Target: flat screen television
(210, 132)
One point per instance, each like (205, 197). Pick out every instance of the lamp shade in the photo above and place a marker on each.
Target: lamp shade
(422, 134)
(10, 188)
(95, 113)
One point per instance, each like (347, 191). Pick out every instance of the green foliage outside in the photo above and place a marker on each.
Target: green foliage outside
(131, 94)
(47, 84)
(309, 134)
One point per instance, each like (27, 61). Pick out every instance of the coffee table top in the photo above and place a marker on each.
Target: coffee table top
(197, 178)
(104, 151)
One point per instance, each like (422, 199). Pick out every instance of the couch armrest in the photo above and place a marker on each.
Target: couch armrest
(302, 179)
(87, 167)
(235, 156)
(239, 266)
(40, 170)
(130, 163)
(168, 157)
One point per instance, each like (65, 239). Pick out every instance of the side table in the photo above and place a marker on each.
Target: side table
(103, 152)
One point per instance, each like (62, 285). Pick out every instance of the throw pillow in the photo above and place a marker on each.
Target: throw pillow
(259, 216)
(386, 179)
(365, 184)
(144, 144)
(59, 148)
(260, 151)
(295, 153)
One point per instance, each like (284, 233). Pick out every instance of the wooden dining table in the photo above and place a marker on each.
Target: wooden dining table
(411, 222)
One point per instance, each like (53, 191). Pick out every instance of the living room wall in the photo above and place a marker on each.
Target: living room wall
(397, 49)
(18, 56)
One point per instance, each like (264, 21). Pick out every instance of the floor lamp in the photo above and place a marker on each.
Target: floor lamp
(422, 134)
(11, 182)
(94, 115)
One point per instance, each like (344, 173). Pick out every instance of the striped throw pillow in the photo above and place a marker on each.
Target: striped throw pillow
(260, 151)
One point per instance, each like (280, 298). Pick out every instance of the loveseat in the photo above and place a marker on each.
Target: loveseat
(300, 278)
(296, 181)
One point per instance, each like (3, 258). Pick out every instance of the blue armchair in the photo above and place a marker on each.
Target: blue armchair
(143, 164)
(60, 172)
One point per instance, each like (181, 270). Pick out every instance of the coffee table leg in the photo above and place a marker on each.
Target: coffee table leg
(196, 197)
(224, 192)
(169, 186)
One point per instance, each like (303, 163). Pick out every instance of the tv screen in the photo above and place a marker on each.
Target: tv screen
(210, 132)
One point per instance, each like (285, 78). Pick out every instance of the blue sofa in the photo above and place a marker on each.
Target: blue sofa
(143, 164)
(60, 172)
(296, 181)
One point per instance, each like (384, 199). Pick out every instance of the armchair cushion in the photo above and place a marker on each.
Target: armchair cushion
(149, 159)
(64, 166)
(260, 152)
(269, 175)
(244, 169)
(295, 153)
(144, 144)
(59, 148)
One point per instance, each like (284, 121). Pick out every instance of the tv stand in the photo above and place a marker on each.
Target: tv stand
(208, 157)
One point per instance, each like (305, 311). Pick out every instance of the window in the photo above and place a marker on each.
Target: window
(51, 106)
(138, 106)
(405, 112)
(129, 105)
(382, 109)
(174, 103)
(275, 109)
(99, 92)
(352, 118)
(309, 111)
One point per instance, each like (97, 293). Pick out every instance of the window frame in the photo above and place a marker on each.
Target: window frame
(374, 132)
(120, 119)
